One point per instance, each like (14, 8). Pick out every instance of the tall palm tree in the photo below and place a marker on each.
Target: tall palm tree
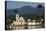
(39, 6)
(40, 10)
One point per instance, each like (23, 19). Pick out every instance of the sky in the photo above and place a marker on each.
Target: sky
(19, 4)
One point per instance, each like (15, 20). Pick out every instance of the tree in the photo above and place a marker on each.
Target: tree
(15, 11)
(39, 6)
(40, 10)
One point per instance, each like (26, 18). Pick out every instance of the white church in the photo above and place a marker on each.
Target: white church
(19, 20)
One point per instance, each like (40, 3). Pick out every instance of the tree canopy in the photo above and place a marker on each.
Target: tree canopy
(15, 11)
(39, 6)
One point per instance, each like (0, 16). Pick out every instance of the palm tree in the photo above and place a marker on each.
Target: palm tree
(39, 6)
(40, 10)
